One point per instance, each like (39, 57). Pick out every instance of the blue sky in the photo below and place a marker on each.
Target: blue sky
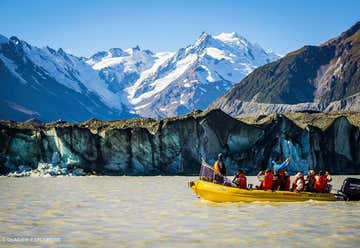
(85, 27)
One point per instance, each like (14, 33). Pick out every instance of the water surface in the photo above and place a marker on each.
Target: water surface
(161, 212)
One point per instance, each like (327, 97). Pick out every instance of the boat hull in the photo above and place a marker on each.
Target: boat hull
(220, 193)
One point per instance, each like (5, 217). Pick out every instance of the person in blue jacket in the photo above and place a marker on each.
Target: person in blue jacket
(280, 176)
(278, 164)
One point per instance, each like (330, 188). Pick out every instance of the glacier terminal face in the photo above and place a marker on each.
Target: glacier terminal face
(175, 146)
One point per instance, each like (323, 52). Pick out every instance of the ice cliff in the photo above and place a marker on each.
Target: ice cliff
(171, 146)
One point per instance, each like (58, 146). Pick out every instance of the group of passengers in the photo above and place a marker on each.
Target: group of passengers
(278, 178)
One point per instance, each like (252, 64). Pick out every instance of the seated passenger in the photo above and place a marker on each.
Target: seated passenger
(268, 180)
(321, 181)
(282, 178)
(287, 182)
(298, 183)
(328, 176)
(310, 181)
(329, 179)
(260, 176)
(240, 179)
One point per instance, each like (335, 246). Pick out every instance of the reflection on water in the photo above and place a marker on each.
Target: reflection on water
(162, 211)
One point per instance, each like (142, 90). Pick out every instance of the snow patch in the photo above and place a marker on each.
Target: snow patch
(162, 83)
(217, 53)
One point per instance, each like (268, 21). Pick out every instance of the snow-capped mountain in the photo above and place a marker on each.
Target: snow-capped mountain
(51, 84)
(169, 84)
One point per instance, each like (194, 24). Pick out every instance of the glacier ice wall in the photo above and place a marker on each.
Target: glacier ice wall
(176, 145)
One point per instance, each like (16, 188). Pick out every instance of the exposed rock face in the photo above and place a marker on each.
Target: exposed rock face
(175, 146)
(321, 78)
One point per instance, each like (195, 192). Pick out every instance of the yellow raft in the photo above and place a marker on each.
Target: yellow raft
(220, 193)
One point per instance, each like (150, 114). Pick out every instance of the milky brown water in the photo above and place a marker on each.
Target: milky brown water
(161, 212)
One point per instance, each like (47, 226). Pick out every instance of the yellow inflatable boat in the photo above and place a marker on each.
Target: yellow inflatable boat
(220, 193)
(208, 187)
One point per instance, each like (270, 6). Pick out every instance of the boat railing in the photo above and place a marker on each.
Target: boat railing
(208, 174)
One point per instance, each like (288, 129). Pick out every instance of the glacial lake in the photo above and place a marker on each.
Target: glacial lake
(161, 212)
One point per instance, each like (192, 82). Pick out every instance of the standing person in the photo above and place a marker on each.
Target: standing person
(278, 164)
(220, 169)
(279, 172)
(219, 165)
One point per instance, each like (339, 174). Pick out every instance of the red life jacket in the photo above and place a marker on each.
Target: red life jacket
(268, 181)
(320, 183)
(281, 172)
(294, 185)
(242, 181)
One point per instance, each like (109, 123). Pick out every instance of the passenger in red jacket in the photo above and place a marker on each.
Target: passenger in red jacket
(268, 180)
(321, 181)
(240, 179)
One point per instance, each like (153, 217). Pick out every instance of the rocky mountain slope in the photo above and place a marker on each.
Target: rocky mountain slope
(117, 84)
(145, 146)
(320, 78)
(50, 85)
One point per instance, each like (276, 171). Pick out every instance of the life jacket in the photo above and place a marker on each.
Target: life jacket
(281, 173)
(217, 167)
(294, 185)
(268, 181)
(242, 181)
(220, 168)
(287, 183)
(320, 183)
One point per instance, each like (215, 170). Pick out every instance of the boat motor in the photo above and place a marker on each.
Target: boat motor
(350, 190)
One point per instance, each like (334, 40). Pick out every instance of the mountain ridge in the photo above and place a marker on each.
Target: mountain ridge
(119, 83)
(321, 78)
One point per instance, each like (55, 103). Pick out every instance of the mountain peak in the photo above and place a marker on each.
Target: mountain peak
(203, 35)
(203, 40)
(61, 51)
(15, 40)
(98, 56)
(136, 48)
(117, 52)
(19, 43)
